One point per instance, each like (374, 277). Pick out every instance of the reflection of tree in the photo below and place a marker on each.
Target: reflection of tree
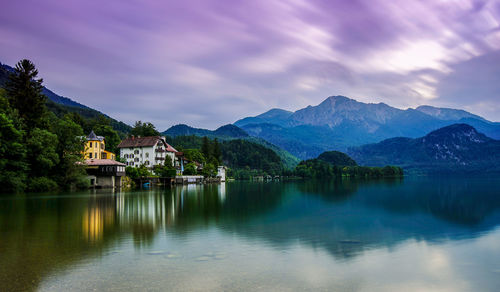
(46, 234)
(42, 235)
(192, 206)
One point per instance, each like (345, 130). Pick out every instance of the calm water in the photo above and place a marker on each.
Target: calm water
(416, 234)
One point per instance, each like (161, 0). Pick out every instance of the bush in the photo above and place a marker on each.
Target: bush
(190, 169)
(42, 184)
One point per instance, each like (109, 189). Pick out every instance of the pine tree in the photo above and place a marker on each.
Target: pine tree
(205, 148)
(217, 151)
(25, 94)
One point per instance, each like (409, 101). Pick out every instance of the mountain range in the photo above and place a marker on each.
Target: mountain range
(340, 122)
(458, 147)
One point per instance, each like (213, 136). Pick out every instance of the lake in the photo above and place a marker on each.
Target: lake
(411, 234)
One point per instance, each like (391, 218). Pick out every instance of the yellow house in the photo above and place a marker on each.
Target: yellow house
(95, 148)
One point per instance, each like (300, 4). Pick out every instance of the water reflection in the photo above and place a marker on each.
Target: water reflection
(43, 235)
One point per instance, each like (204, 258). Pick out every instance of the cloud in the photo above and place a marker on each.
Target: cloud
(210, 63)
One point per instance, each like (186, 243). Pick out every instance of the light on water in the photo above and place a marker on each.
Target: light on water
(416, 234)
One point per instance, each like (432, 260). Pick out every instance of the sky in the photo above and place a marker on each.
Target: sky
(209, 63)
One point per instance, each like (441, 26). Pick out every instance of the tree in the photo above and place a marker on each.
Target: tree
(111, 136)
(337, 158)
(205, 148)
(144, 130)
(217, 152)
(194, 155)
(25, 94)
(167, 169)
(209, 170)
(69, 148)
(190, 169)
(12, 156)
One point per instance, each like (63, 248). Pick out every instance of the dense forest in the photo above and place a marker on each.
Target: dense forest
(244, 158)
(337, 164)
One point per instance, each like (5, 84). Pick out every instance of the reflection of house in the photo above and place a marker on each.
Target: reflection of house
(105, 173)
(95, 148)
(148, 151)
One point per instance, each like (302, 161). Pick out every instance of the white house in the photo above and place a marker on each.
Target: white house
(149, 151)
(221, 172)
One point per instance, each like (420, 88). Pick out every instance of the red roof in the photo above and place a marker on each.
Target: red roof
(145, 142)
(103, 162)
(170, 148)
(139, 142)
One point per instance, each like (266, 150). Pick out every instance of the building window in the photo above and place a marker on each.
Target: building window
(147, 155)
(102, 145)
(136, 159)
(147, 162)
(95, 155)
(126, 156)
(136, 152)
(90, 155)
(90, 144)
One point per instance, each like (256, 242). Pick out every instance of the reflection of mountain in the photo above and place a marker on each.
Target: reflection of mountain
(44, 235)
(348, 217)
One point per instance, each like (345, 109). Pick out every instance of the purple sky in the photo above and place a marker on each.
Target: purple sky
(209, 63)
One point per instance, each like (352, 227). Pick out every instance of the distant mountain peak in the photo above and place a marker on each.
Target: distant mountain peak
(335, 100)
(457, 133)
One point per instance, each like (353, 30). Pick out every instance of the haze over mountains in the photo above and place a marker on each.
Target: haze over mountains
(340, 122)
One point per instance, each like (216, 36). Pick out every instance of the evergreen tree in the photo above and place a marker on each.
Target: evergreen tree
(217, 152)
(25, 94)
(205, 148)
(144, 130)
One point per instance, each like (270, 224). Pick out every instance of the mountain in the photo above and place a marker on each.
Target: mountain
(339, 122)
(458, 147)
(274, 116)
(223, 132)
(447, 114)
(185, 130)
(61, 105)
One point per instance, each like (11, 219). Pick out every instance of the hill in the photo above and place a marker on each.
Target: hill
(457, 147)
(337, 158)
(61, 105)
(182, 134)
(340, 122)
(223, 132)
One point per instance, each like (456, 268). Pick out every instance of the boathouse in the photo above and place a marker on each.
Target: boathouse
(105, 173)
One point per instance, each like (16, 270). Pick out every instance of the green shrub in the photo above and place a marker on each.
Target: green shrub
(42, 184)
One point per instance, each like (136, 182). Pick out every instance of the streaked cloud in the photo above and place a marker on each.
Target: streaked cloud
(209, 63)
